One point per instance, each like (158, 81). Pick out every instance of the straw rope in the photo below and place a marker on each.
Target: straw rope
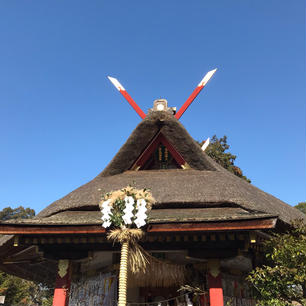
(123, 274)
(138, 257)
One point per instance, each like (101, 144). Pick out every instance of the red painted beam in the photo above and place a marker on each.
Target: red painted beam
(175, 154)
(6, 229)
(214, 226)
(194, 94)
(125, 94)
(148, 151)
(264, 223)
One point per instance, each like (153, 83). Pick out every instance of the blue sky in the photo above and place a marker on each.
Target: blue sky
(62, 121)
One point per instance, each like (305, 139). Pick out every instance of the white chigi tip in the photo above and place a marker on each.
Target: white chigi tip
(116, 83)
(205, 145)
(207, 77)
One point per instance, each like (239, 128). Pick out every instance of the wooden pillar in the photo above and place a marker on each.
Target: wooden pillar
(214, 280)
(62, 284)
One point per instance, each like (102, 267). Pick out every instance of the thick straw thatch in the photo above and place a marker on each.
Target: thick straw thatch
(172, 129)
(207, 214)
(205, 185)
(178, 189)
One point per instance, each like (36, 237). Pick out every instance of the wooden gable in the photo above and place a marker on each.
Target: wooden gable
(160, 154)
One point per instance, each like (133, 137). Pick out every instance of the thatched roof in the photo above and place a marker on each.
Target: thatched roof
(172, 129)
(205, 185)
(155, 216)
(205, 193)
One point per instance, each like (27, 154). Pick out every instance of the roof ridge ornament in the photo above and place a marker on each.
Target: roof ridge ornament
(125, 94)
(161, 104)
(205, 144)
(194, 94)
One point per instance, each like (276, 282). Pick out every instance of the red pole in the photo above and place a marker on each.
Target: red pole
(215, 290)
(125, 94)
(214, 281)
(62, 284)
(133, 103)
(194, 94)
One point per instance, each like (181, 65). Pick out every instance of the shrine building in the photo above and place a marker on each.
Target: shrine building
(207, 223)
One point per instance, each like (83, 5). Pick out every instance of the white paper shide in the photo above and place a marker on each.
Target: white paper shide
(133, 212)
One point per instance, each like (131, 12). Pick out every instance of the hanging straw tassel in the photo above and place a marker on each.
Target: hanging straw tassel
(158, 274)
(138, 257)
(123, 274)
(141, 264)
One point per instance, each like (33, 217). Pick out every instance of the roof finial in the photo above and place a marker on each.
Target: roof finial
(162, 105)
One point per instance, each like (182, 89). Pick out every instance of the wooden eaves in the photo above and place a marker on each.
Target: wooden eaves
(265, 223)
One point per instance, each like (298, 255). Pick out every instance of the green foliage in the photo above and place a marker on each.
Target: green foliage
(301, 206)
(117, 213)
(15, 289)
(21, 292)
(16, 213)
(217, 151)
(18, 291)
(282, 279)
